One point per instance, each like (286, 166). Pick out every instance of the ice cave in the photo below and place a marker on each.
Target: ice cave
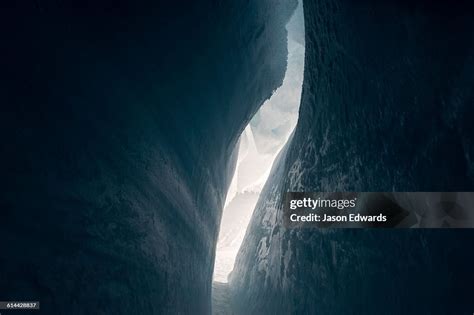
(120, 136)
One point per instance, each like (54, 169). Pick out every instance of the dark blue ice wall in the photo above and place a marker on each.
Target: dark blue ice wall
(387, 105)
(117, 127)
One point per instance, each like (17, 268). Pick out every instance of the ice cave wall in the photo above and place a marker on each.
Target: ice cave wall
(118, 123)
(387, 105)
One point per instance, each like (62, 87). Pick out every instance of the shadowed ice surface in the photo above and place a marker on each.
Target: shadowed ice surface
(387, 105)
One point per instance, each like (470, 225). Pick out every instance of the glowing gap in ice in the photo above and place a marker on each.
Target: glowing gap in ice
(260, 143)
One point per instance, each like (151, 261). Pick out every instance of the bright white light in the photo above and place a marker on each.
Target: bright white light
(260, 143)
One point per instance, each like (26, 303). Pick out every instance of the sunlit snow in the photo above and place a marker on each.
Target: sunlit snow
(260, 143)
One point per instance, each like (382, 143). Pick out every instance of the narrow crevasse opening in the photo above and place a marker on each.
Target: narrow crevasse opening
(260, 143)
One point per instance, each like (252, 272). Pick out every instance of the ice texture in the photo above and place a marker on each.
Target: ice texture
(119, 119)
(387, 105)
